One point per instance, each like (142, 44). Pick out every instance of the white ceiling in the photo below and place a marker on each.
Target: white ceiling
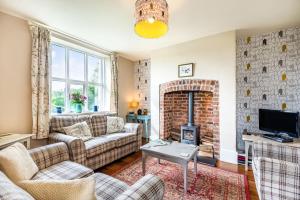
(109, 23)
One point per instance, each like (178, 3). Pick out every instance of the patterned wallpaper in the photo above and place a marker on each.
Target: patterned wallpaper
(142, 82)
(268, 76)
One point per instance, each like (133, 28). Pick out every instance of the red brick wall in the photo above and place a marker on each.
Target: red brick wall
(174, 108)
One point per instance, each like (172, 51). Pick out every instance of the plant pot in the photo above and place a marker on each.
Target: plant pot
(78, 108)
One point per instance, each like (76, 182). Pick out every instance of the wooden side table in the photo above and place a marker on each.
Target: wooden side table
(11, 138)
(249, 139)
(145, 119)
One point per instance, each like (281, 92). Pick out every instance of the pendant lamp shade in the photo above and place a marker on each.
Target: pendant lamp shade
(151, 18)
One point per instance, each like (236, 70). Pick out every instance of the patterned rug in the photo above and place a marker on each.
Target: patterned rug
(209, 184)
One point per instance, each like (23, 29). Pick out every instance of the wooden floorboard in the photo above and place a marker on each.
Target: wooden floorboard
(120, 164)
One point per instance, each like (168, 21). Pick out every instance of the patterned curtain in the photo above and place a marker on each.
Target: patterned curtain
(40, 81)
(114, 84)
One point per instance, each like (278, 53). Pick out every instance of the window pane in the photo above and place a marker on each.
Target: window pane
(75, 89)
(58, 61)
(94, 69)
(76, 65)
(58, 96)
(93, 97)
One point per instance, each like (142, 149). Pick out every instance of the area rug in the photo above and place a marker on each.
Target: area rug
(209, 184)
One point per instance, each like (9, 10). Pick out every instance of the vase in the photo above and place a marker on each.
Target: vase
(78, 108)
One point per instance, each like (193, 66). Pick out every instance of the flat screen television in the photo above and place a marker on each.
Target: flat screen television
(277, 122)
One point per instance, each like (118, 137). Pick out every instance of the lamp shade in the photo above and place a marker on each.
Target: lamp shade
(134, 104)
(151, 18)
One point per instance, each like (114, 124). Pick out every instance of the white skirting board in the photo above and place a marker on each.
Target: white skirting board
(228, 156)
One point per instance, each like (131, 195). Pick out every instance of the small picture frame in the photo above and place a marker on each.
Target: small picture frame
(186, 70)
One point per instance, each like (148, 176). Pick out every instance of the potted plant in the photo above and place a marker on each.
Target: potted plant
(78, 100)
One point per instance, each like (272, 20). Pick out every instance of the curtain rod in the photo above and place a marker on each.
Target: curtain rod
(70, 38)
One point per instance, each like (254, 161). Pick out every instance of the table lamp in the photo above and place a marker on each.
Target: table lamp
(132, 106)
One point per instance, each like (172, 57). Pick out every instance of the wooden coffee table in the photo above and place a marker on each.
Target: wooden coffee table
(172, 152)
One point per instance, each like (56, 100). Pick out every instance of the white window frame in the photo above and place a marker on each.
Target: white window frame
(68, 82)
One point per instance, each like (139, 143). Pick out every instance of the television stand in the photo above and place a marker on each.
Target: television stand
(278, 138)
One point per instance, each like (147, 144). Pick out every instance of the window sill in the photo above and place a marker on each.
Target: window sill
(83, 113)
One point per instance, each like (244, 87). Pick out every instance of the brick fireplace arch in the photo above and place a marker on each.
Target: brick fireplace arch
(174, 105)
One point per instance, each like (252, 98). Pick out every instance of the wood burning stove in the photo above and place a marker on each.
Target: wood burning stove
(190, 133)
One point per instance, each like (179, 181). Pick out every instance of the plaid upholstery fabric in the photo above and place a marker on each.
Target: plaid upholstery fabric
(125, 150)
(65, 170)
(99, 145)
(138, 130)
(98, 124)
(107, 187)
(75, 145)
(276, 178)
(58, 122)
(102, 159)
(49, 155)
(149, 187)
(87, 119)
(121, 138)
(9, 191)
(276, 151)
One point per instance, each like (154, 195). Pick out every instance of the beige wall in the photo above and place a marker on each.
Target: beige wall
(214, 58)
(15, 86)
(126, 84)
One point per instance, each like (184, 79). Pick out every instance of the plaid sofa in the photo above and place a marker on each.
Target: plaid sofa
(53, 163)
(103, 148)
(276, 169)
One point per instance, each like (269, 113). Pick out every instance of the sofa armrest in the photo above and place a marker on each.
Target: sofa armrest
(276, 179)
(149, 187)
(48, 155)
(137, 129)
(276, 151)
(75, 145)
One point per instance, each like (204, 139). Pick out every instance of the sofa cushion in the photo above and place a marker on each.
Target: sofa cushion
(114, 125)
(107, 187)
(64, 170)
(16, 163)
(98, 124)
(58, 122)
(99, 145)
(122, 138)
(10, 191)
(78, 189)
(80, 130)
(85, 118)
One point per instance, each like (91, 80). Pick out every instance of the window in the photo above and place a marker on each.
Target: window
(74, 70)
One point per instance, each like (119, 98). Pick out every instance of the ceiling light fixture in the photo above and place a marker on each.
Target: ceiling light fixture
(151, 18)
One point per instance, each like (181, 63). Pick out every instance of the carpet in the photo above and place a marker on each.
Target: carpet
(209, 184)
